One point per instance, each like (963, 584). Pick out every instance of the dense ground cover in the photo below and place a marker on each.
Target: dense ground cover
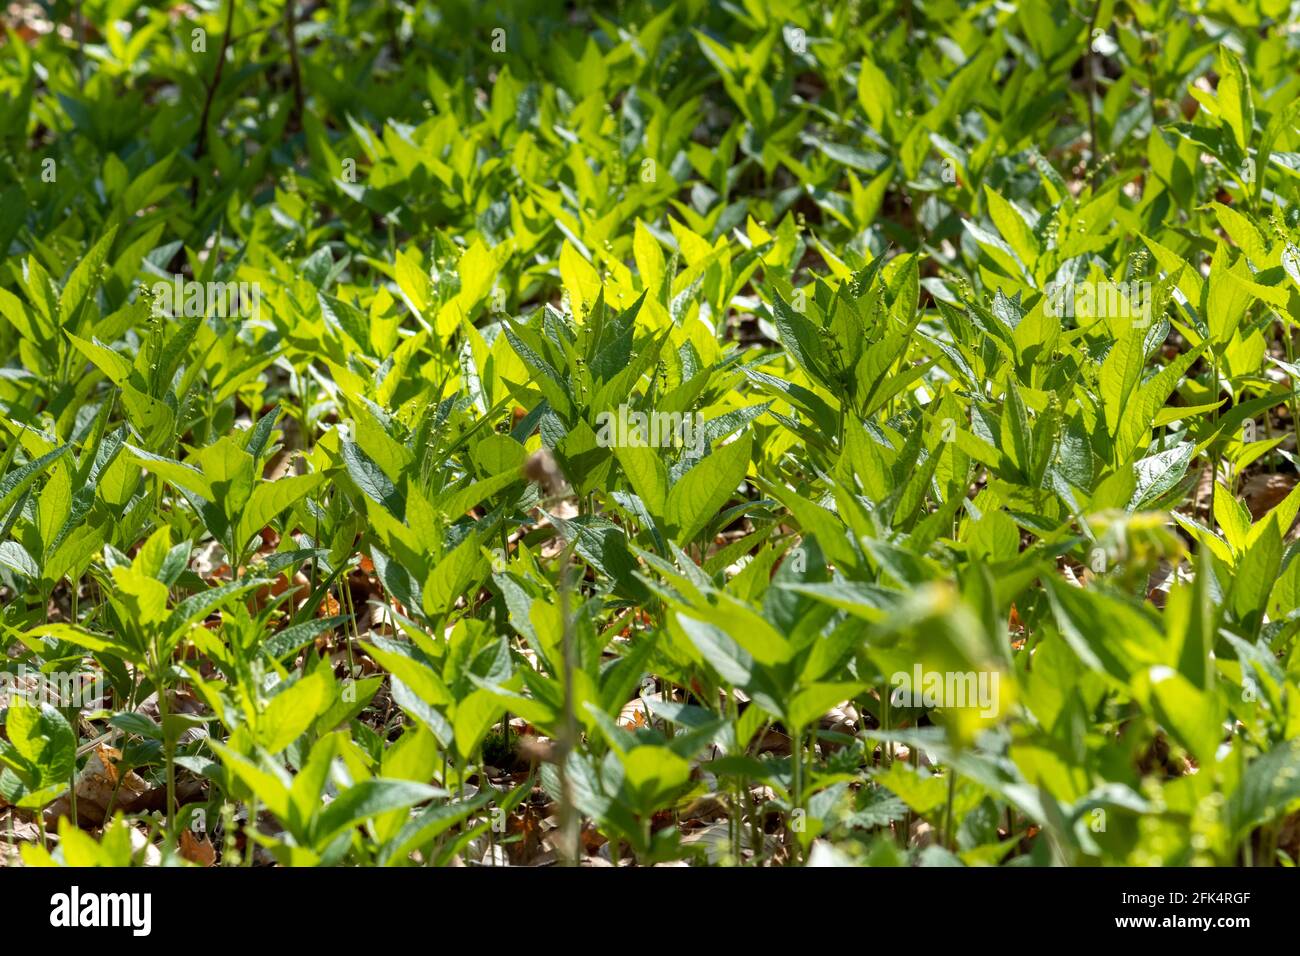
(734, 433)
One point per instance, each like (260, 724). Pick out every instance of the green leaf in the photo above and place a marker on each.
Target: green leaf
(20, 479)
(269, 498)
(1015, 230)
(44, 739)
(748, 629)
(1107, 633)
(402, 661)
(1120, 374)
(652, 774)
(1234, 99)
(811, 703)
(1256, 574)
(800, 337)
(473, 716)
(293, 710)
(646, 473)
(700, 494)
(85, 277)
(1269, 786)
(1017, 435)
(367, 799)
(269, 783)
(1233, 518)
(1193, 716)
(178, 473)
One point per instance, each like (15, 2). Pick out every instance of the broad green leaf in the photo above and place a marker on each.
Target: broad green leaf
(700, 494)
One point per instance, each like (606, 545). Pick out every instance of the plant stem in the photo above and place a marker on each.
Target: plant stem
(290, 26)
(796, 795)
(249, 829)
(202, 144)
(568, 816)
(1092, 81)
(950, 841)
(169, 741)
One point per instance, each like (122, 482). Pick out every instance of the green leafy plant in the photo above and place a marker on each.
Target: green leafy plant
(716, 433)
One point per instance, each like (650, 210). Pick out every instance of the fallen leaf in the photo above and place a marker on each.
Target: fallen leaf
(197, 849)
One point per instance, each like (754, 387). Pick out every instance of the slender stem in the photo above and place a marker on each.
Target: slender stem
(796, 794)
(1290, 358)
(169, 749)
(249, 829)
(737, 820)
(887, 747)
(81, 44)
(202, 145)
(1218, 448)
(72, 782)
(568, 816)
(290, 29)
(112, 797)
(1092, 82)
(345, 593)
(169, 753)
(1267, 845)
(949, 839)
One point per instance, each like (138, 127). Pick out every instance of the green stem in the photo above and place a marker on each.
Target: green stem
(1290, 358)
(736, 820)
(1218, 447)
(949, 839)
(72, 781)
(569, 822)
(169, 740)
(796, 755)
(1092, 82)
(249, 829)
(208, 98)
